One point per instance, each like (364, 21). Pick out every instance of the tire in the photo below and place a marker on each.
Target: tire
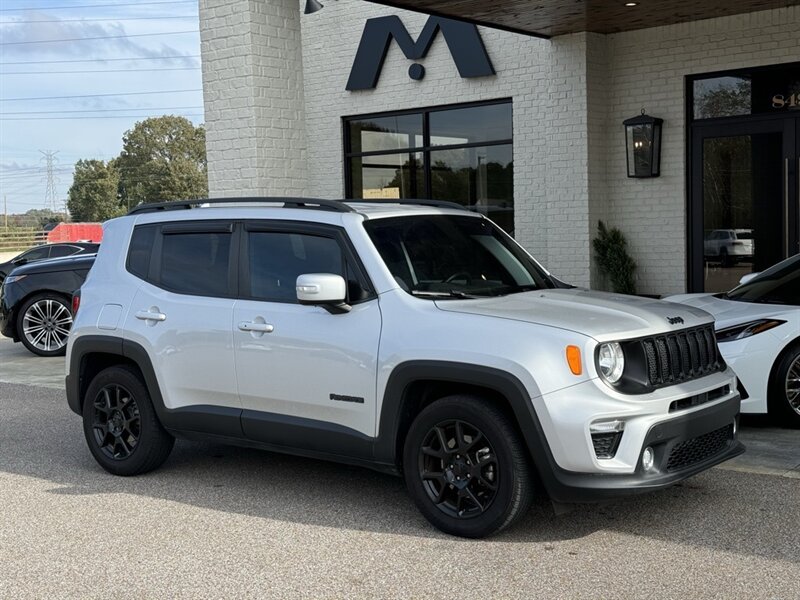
(452, 487)
(43, 324)
(121, 426)
(784, 390)
(724, 259)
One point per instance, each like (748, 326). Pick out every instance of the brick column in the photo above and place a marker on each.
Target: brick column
(253, 92)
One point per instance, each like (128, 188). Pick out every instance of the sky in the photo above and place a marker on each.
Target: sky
(75, 75)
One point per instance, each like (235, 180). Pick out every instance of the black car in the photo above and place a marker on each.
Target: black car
(46, 251)
(36, 302)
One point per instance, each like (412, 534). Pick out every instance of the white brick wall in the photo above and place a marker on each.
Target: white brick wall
(274, 85)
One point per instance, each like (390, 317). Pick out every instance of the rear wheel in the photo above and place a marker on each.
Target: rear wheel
(724, 259)
(121, 426)
(43, 324)
(465, 467)
(784, 390)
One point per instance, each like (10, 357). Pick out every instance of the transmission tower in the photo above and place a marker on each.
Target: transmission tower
(50, 194)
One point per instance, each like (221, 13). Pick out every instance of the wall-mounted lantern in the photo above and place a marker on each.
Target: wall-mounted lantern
(313, 6)
(643, 145)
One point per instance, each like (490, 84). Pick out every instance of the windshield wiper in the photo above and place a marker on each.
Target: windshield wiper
(450, 294)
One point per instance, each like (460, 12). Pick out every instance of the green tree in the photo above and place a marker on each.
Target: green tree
(93, 194)
(39, 217)
(162, 158)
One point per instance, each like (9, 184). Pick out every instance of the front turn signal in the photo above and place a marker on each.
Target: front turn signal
(574, 360)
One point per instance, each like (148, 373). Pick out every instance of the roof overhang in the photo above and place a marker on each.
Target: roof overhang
(548, 18)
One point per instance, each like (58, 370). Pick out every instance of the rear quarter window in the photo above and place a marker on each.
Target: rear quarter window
(140, 250)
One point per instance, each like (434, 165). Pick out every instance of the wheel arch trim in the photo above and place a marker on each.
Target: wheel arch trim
(396, 398)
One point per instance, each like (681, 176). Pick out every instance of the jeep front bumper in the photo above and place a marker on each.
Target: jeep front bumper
(688, 428)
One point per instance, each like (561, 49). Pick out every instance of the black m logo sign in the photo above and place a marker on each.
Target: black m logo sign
(463, 40)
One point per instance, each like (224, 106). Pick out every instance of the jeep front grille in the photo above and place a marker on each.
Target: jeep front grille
(682, 356)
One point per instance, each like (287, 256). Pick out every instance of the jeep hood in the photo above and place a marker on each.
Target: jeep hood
(600, 315)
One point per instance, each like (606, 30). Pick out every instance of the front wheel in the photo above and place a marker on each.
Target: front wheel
(784, 390)
(465, 467)
(120, 424)
(43, 324)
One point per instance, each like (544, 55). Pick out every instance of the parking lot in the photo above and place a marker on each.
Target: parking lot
(217, 521)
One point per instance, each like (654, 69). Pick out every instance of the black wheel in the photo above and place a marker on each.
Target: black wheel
(724, 259)
(465, 467)
(784, 390)
(43, 324)
(121, 426)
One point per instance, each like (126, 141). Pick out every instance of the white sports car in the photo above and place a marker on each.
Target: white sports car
(758, 330)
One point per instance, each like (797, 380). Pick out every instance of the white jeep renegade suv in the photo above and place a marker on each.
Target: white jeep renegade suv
(412, 337)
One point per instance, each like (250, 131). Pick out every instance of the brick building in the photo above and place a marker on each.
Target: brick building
(537, 140)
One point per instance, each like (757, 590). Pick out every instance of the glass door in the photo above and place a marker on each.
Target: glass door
(744, 195)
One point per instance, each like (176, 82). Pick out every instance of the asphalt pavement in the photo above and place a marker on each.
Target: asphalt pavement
(221, 522)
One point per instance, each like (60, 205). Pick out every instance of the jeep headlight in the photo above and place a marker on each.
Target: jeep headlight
(610, 361)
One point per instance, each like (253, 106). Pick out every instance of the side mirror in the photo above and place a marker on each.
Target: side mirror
(748, 277)
(19, 261)
(323, 289)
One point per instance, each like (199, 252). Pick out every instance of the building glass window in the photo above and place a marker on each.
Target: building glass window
(460, 153)
(762, 90)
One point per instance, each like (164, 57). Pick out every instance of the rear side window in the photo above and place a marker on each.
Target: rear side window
(196, 263)
(185, 258)
(140, 250)
(60, 251)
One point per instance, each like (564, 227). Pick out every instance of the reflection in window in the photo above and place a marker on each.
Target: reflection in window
(475, 168)
(481, 177)
(471, 125)
(388, 176)
(196, 263)
(277, 259)
(722, 97)
(386, 133)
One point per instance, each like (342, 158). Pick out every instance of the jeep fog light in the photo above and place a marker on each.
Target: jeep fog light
(611, 361)
(648, 459)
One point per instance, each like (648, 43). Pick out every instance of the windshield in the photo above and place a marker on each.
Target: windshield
(779, 284)
(452, 256)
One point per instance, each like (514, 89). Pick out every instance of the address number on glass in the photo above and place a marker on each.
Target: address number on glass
(781, 101)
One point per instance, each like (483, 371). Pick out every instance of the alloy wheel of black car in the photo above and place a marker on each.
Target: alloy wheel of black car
(466, 468)
(44, 323)
(120, 423)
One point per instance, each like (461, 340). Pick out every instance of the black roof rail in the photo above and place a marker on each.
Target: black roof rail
(412, 201)
(312, 203)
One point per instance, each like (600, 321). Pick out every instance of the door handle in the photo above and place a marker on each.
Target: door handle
(257, 327)
(146, 315)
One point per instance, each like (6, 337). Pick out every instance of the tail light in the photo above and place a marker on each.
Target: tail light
(76, 302)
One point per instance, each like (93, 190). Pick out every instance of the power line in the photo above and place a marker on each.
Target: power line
(100, 20)
(100, 95)
(98, 71)
(92, 110)
(101, 37)
(89, 117)
(98, 5)
(47, 62)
